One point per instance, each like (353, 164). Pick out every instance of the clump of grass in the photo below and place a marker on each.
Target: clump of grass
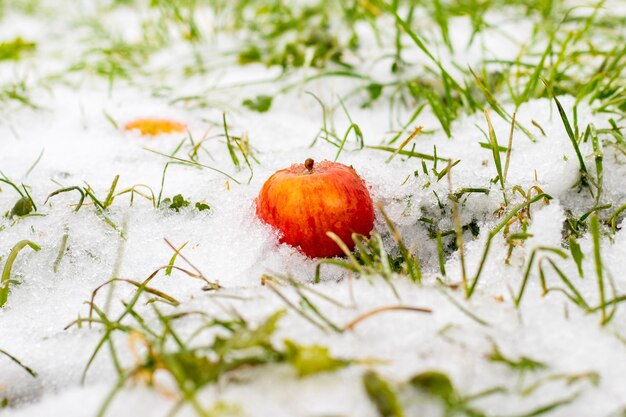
(242, 145)
(293, 37)
(179, 202)
(235, 344)
(307, 309)
(531, 258)
(372, 258)
(494, 232)
(101, 206)
(329, 134)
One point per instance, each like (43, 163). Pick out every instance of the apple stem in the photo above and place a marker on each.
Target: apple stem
(308, 164)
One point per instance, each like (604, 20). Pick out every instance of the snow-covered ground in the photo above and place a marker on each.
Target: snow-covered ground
(70, 140)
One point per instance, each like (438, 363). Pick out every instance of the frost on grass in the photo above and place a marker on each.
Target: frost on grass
(494, 288)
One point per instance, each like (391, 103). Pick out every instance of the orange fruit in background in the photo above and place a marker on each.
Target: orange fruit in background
(305, 201)
(154, 127)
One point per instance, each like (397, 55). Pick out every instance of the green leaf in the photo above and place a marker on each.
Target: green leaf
(23, 207)
(260, 103)
(382, 395)
(187, 366)
(310, 360)
(246, 338)
(248, 56)
(202, 206)
(12, 50)
(176, 203)
(577, 254)
(374, 90)
(436, 384)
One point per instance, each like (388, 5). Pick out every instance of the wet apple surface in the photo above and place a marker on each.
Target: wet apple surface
(305, 201)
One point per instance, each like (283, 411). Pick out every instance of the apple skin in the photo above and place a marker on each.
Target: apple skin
(307, 200)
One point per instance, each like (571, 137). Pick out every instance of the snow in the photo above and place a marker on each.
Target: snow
(229, 245)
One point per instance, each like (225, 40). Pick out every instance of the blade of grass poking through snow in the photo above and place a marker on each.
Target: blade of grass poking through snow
(574, 296)
(405, 142)
(509, 148)
(447, 169)
(324, 119)
(353, 126)
(458, 232)
(231, 150)
(570, 134)
(577, 254)
(19, 363)
(398, 40)
(613, 219)
(522, 365)
(65, 190)
(110, 197)
(62, 249)
(158, 202)
(6, 271)
(6, 180)
(352, 324)
(493, 140)
(370, 259)
(531, 258)
(549, 407)
(29, 197)
(410, 154)
(269, 281)
(32, 167)
(441, 17)
(168, 271)
(531, 84)
(497, 230)
(460, 306)
(447, 78)
(110, 119)
(441, 254)
(407, 124)
(193, 163)
(598, 158)
(111, 326)
(306, 302)
(496, 106)
(594, 227)
(411, 263)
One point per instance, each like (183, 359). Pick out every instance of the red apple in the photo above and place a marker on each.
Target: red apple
(305, 201)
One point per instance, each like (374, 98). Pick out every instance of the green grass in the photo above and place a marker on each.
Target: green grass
(238, 344)
(578, 53)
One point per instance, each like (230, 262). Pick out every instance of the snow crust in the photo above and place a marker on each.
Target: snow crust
(79, 145)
